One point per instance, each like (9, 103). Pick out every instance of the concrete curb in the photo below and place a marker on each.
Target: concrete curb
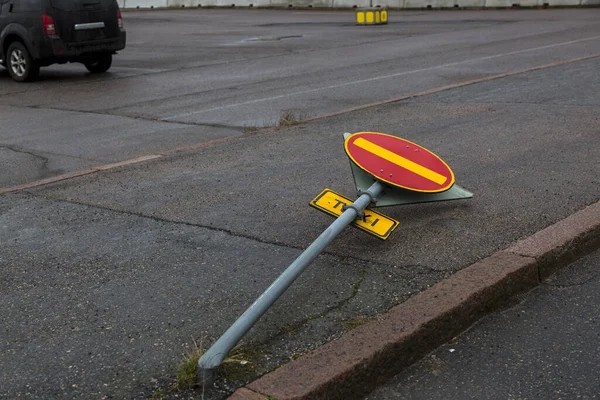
(362, 359)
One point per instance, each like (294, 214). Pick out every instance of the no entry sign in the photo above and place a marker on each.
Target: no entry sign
(399, 162)
(386, 158)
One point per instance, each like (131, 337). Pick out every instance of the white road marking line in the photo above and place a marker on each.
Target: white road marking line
(376, 78)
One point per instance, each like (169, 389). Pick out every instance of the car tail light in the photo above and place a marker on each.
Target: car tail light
(119, 19)
(48, 22)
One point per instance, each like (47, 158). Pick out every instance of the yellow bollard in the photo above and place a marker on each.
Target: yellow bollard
(371, 16)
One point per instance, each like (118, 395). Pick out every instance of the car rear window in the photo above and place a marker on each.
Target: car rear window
(76, 5)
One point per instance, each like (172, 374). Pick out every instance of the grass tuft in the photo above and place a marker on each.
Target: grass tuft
(186, 372)
(288, 118)
(237, 365)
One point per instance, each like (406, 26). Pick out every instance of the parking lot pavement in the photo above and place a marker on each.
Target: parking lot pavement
(110, 277)
(539, 153)
(40, 143)
(544, 348)
(188, 77)
(101, 304)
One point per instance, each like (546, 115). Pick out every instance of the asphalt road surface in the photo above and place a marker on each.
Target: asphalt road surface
(192, 76)
(107, 279)
(547, 347)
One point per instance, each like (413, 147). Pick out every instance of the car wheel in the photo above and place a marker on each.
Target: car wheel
(21, 66)
(101, 64)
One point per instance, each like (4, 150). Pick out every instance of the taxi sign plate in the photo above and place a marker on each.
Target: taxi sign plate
(375, 223)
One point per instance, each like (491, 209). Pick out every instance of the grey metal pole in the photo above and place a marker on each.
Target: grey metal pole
(208, 363)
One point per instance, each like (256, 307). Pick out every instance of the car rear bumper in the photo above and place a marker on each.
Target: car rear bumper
(56, 50)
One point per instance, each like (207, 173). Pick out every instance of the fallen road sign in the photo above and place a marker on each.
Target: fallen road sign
(373, 222)
(377, 159)
(399, 162)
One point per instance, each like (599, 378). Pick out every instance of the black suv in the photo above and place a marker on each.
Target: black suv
(37, 33)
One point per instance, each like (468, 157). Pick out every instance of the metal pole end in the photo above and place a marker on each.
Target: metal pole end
(206, 376)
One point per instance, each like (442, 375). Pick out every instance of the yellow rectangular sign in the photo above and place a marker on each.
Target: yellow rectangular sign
(375, 223)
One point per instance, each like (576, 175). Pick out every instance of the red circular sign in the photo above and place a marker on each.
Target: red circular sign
(399, 162)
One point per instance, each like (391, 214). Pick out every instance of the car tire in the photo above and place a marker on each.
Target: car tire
(100, 65)
(21, 67)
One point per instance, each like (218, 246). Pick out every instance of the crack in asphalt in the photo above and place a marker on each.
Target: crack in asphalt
(421, 270)
(346, 260)
(565, 286)
(294, 327)
(241, 129)
(15, 149)
(39, 153)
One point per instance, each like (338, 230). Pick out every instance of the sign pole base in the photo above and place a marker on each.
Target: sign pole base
(208, 363)
(206, 376)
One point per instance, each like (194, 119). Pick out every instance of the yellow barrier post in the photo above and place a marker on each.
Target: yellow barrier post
(371, 16)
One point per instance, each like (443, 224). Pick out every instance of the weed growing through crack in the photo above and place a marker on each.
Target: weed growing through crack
(288, 118)
(239, 363)
(186, 372)
(235, 366)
